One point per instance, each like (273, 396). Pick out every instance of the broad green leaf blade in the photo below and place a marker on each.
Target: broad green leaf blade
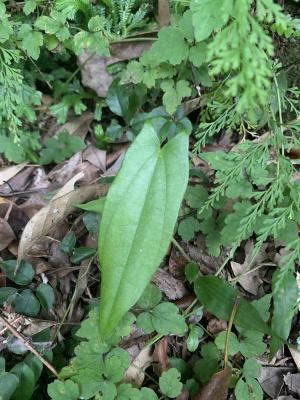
(285, 295)
(138, 220)
(219, 297)
(216, 295)
(8, 384)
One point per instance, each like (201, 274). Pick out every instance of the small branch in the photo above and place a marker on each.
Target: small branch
(29, 346)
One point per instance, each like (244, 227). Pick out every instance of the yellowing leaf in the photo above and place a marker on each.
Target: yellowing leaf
(139, 217)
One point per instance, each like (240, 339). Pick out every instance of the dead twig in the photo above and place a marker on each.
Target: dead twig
(29, 346)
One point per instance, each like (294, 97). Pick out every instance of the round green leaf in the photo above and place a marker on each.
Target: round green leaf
(68, 243)
(148, 394)
(67, 390)
(35, 364)
(26, 385)
(82, 253)
(169, 383)
(5, 293)
(46, 296)
(234, 345)
(26, 303)
(196, 332)
(191, 272)
(8, 384)
(166, 319)
(24, 275)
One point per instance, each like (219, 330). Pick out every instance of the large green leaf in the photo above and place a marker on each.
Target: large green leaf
(219, 297)
(285, 295)
(139, 217)
(8, 384)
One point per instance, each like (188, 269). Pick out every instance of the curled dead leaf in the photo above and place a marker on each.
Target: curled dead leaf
(135, 373)
(160, 355)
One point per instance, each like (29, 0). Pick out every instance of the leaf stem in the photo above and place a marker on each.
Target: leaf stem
(29, 346)
(176, 244)
(230, 323)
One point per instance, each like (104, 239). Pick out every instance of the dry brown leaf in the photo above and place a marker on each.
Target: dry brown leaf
(296, 357)
(271, 380)
(177, 263)
(164, 14)
(21, 181)
(250, 281)
(61, 173)
(93, 71)
(95, 156)
(78, 126)
(14, 215)
(6, 234)
(293, 383)
(216, 326)
(160, 355)
(59, 207)
(113, 170)
(7, 173)
(217, 387)
(135, 373)
(173, 288)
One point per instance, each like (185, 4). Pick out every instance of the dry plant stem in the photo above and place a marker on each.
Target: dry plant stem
(176, 244)
(29, 346)
(230, 323)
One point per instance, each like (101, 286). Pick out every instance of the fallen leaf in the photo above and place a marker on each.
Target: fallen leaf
(173, 288)
(160, 355)
(59, 207)
(93, 69)
(216, 388)
(63, 172)
(6, 234)
(112, 157)
(293, 383)
(296, 357)
(95, 156)
(208, 264)
(251, 281)
(16, 219)
(176, 263)
(113, 170)
(7, 173)
(19, 182)
(78, 126)
(135, 373)
(164, 14)
(216, 326)
(271, 380)
(57, 258)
